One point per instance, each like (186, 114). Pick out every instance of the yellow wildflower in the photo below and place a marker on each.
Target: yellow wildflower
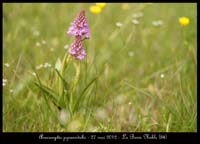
(95, 9)
(125, 6)
(184, 21)
(101, 5)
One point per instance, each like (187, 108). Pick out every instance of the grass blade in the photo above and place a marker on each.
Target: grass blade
(66, 85)
(83, 92)
(66, 88)
(50, 93)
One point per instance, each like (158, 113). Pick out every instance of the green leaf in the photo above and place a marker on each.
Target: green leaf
(45, 94)
(49, 93)
(66, 85)
(83, 92)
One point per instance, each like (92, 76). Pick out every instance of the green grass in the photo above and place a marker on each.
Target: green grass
(130, 94)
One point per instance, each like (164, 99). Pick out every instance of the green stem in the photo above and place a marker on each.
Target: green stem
(76, 79)
(62, 70)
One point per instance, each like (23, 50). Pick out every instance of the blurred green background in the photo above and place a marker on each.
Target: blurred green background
(146, 61)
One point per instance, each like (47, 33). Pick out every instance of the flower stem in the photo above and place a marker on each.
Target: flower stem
(65, 61)
(75, 82)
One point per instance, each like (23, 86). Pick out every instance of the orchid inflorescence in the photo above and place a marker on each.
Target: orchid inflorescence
(78, 28)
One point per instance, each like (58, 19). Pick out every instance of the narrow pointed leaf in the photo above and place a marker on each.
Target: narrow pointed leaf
(49, 93)
(83, 92)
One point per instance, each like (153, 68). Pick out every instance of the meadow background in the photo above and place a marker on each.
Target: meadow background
(145, 60)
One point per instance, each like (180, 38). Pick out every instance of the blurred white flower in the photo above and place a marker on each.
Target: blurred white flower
(101, 114)
(131, 53)
(5, 80)
(36, 33)
(63, 116)
(119, 24)
(92, 128)
(162, 75)
(11, 90)
(52, 49)
(44, 42)
(120, 99)
(33, 73)
(74, 125)
(39, 66)
(157, 23)
(7, 64)
(66, 46)
(38, 44)
(46, 65)
(135, 21)
(138, 15)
